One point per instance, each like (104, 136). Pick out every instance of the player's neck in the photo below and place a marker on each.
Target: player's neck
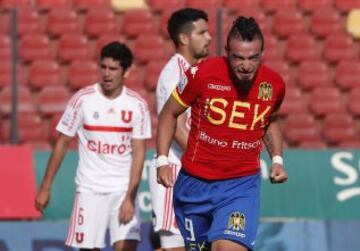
(187, 55)
(112, 94)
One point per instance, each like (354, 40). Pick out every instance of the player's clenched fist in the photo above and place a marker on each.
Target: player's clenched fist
(165, 176)
(278, 174)
(42, 199)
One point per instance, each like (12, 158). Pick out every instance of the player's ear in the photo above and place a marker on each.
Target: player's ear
(128, 71)
(183, 39)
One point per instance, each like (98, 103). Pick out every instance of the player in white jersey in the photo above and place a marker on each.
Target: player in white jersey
(112, 123)
(189, 31)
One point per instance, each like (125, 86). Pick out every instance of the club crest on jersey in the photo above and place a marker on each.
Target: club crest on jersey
(126, 116)
(265, 91)
(193, 71)
(237, 221)
(96, 115)
(182, 83)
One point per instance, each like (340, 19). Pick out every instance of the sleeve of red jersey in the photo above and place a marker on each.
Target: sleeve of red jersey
(188, 87)
(281, 94)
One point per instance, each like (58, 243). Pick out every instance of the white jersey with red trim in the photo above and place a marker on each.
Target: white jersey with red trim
(105, 128)
(170, 76)
(161, 197)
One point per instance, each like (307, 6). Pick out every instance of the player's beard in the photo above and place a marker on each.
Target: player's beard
(202, 54)
(242, 85)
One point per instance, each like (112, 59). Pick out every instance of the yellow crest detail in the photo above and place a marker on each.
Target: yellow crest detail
(237, 221)
(265, 91)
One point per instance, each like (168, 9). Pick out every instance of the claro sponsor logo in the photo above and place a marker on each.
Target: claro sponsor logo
(104, 148)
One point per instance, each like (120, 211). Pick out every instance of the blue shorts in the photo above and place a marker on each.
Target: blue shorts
(207, 211)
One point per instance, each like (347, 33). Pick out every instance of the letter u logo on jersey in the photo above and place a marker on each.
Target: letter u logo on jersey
(126, 116)
(79, 237)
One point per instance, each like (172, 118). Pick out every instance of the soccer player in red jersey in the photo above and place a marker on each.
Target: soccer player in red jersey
(234, 104)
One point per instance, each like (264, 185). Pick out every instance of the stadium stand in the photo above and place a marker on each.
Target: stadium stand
(277, 5)
(324, 101)
(314, 73)
(32, 128)
(9, 4)
(29, 22)
(44, 73)
(339, 127)
(236, 6)
(53, 99)
(274, 52)
(74, 47)
(305, 40)
(296, 135)
(302, 47)
(62, 21)
(85, 5)
(149, 48)
(284, 69)
(25, 101)
(340, 47)
(308, 6)
(35, 47)
(5, 47)
(326, 21)
(294, 102)
(200, 4)
(48, 5)
(138, 22)
(82, 73)
(289, 22)
(6, 74)
(152, 73)
(347, 74)
(101, 21)
(353, 102)
(135, 80)
(160, 6)
(346, 5)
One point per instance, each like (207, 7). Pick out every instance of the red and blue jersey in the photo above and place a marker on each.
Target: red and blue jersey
(227, 125)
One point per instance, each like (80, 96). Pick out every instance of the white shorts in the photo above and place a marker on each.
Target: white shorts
(163, 210)
(171, 240)
(93, 213)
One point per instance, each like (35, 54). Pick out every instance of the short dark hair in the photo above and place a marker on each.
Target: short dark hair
(246, 29)
(119, 52)
(181, 22)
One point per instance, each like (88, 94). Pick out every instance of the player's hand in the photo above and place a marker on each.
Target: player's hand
(127, 210)
(165, 176)
(42, 199)
(278, 174)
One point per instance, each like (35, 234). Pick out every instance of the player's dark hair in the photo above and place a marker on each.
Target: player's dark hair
(181, 22)
(246, 29)
(119, 52)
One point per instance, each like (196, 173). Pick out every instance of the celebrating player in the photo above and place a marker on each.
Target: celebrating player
(234, 102)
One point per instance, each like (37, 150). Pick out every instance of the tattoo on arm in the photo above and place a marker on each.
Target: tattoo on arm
(269, 143)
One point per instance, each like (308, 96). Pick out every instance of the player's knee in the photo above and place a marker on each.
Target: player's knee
(227, 245)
